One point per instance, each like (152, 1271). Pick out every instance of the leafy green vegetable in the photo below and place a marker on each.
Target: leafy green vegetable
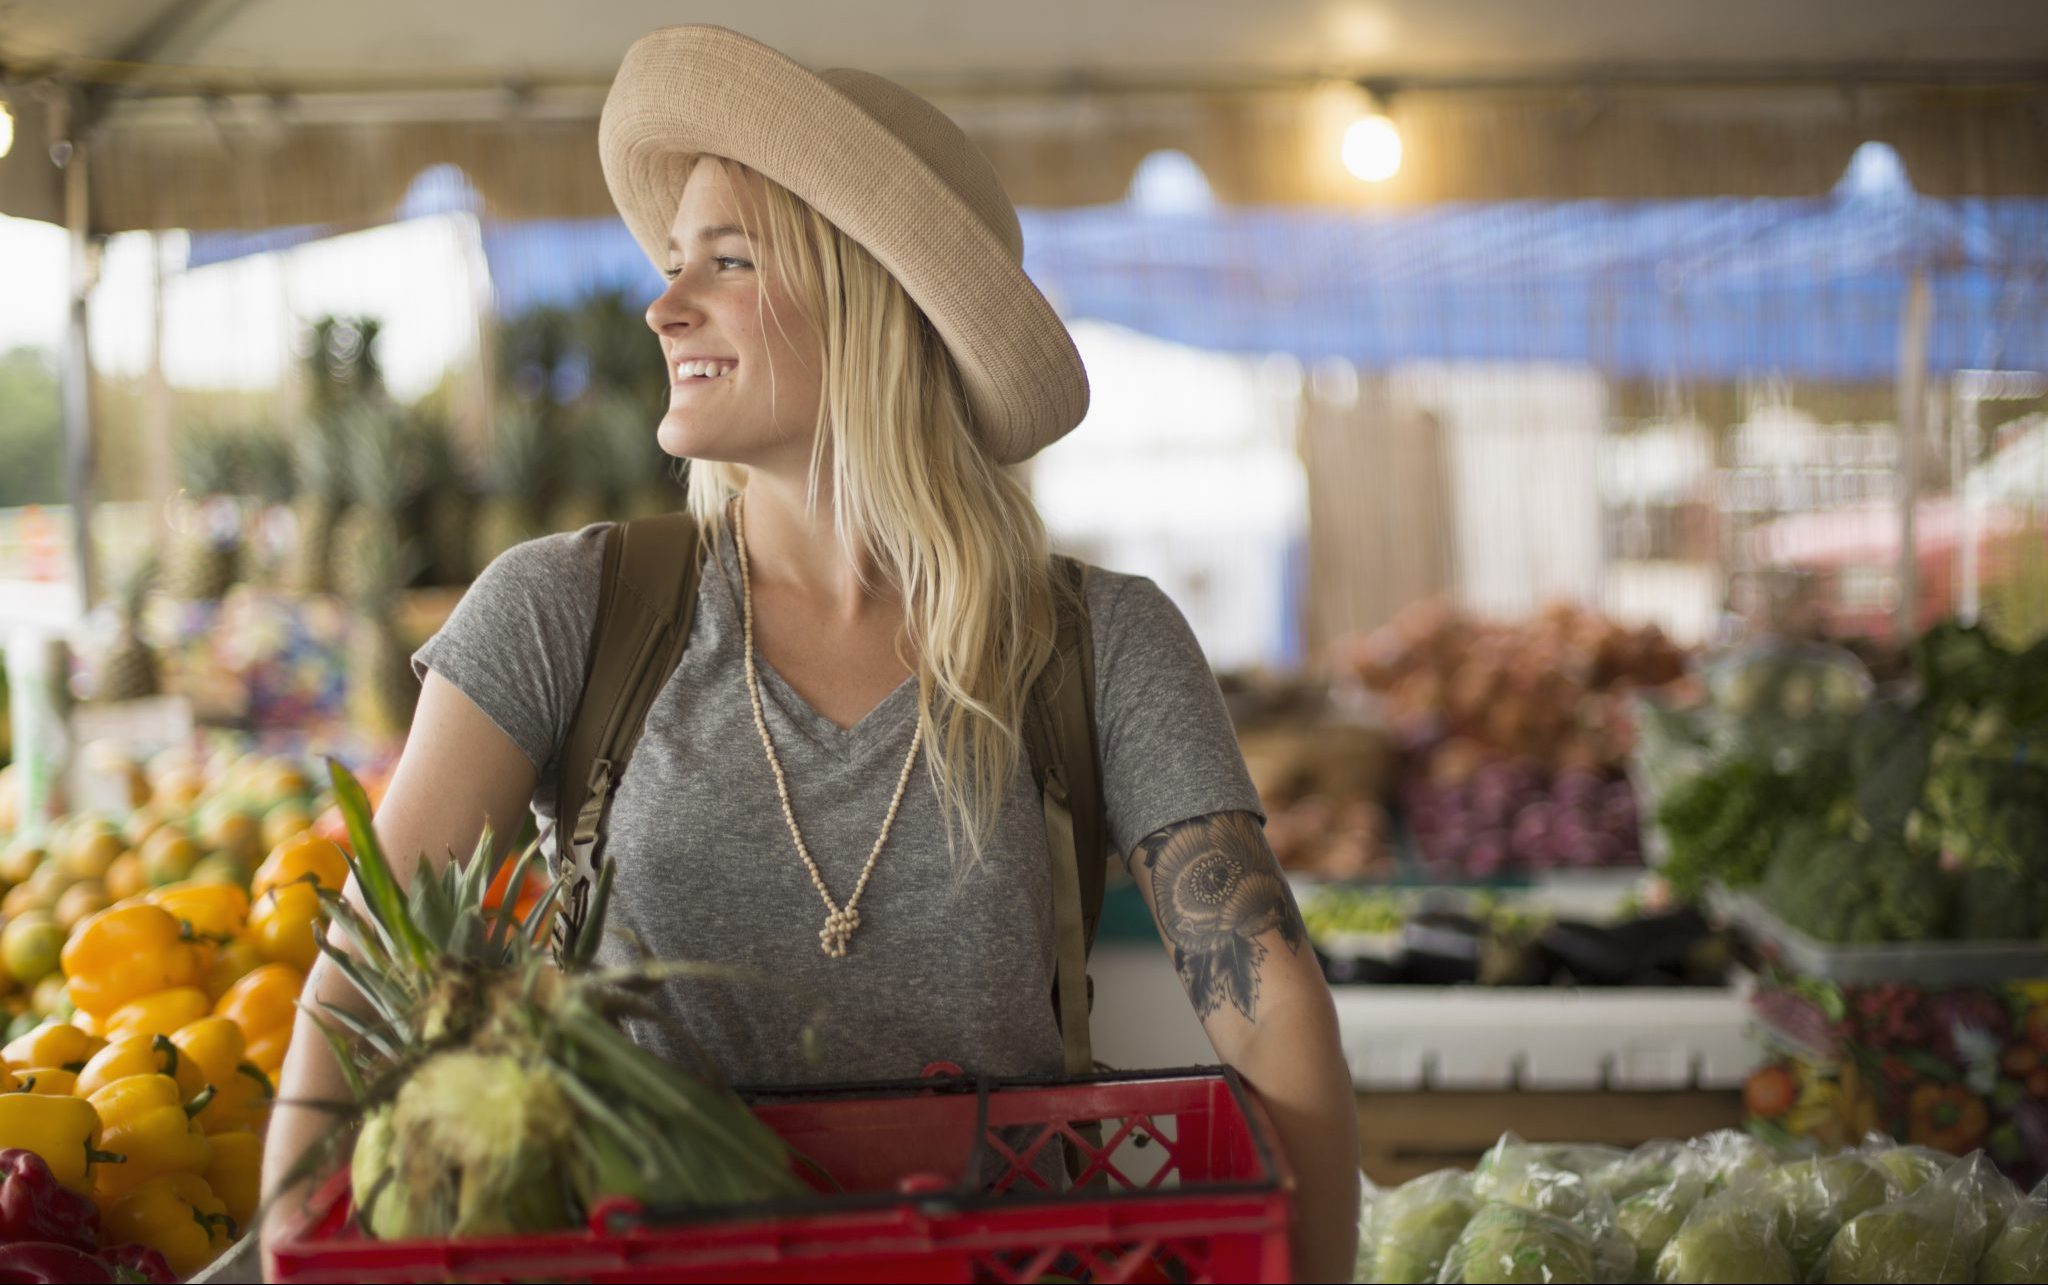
(1729, 1239)
(1415, 1225)
(1507, 1245)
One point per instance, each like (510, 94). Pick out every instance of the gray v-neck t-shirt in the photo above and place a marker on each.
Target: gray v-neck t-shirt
(949, 964)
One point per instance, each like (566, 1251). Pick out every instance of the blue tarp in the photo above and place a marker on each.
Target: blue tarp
(1693, 289)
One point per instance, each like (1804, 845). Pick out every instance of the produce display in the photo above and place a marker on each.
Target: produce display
(1719, 1208)
(1951, 1068)
(1322, 773)
(1515, 735)
(497, 1094)
(1438, 937)
(153, 966)
(1918, 814)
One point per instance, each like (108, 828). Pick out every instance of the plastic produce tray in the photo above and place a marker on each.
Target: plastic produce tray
(1923, 964)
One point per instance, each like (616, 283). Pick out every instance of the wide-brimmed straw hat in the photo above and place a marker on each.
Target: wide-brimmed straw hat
(888, 169)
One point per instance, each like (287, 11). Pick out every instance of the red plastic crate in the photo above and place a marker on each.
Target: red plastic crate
(941, 1181)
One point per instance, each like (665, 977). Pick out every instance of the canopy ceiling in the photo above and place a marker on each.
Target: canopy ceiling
(242, 113)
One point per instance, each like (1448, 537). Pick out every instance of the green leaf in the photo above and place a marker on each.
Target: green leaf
(592, 933)
(477, 872)
(466, 938)
(1929, 1065)
(363, 1030)
(381, 890)
(505, 923)
(343, 1056)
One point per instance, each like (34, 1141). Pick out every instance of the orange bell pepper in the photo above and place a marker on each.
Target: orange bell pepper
(177, 1215)
(158, 1014)
(284, 923)
(236, 1173)
(125, 953)
(264, 1004)
(146, 1119)
(139, 1055)
(303, 856)
(216, 910)
(230, 964)
(242, 1092)
(52, 1044)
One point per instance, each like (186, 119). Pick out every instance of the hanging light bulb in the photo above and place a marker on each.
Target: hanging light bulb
(1372, 143)
(6, 124)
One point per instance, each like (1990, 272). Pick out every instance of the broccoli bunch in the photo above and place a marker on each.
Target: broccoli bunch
(1838, 890)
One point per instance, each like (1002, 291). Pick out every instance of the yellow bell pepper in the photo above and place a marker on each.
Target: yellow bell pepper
(242, 1092)
(302, 856)
(216, 910)
(52, 1044)
(124, 953)
(146, 1119)
(264, 1004)
(158, 1014)
(236, 1174)
(140, 1055)
(177, 1215)
(54, 1081)
(65, 1132)
(284, 923)
(230, 964)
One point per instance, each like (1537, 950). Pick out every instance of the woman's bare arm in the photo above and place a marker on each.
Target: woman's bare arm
(1229, 921)
(457, 771)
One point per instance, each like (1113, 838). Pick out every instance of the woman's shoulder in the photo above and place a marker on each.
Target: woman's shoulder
(557, 563)
(1119, 601)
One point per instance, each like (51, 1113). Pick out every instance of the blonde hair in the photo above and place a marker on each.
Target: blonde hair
(912, 490)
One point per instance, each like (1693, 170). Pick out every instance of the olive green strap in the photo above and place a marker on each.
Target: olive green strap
(1059, 730)
(647, 596)
(1070, 942)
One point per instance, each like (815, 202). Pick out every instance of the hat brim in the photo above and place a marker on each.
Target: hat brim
(685, 92)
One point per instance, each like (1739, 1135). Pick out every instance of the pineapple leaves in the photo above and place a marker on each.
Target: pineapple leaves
(367, 861)
(506, 925)
(586, 942)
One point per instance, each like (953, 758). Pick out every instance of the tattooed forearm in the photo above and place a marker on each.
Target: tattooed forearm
(1217, 892)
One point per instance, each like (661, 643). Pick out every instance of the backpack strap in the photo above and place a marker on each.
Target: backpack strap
(647, 596)
(1059, 730)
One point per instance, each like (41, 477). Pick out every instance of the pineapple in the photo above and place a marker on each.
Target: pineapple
(494, 1093)
(129, 670)
(376, 564)
(205, 553)
(323, 452)
(442, 511)
(523, 479)
(620, 470)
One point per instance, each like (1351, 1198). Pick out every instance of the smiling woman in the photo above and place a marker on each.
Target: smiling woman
(844, 781)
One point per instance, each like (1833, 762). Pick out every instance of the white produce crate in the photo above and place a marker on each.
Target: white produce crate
(1472, 1037)
(1457, 1037)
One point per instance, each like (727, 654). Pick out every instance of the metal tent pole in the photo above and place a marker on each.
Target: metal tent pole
(76, 390)
(1912, 395)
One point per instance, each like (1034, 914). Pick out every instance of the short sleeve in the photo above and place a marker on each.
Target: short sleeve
(515, 644)
(1169, 753)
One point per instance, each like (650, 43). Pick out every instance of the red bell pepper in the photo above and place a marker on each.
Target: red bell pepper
(139, 1263)
(47, 1263)
(35, 1207)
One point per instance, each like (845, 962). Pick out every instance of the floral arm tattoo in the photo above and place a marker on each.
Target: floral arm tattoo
(1217, 892)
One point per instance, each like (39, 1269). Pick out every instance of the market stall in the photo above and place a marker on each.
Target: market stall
(1665, 944)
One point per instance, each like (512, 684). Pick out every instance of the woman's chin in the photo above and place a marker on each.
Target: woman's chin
(679, 440)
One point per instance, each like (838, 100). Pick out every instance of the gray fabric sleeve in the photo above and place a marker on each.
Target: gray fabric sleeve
(1169, 753)
(515, 644)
